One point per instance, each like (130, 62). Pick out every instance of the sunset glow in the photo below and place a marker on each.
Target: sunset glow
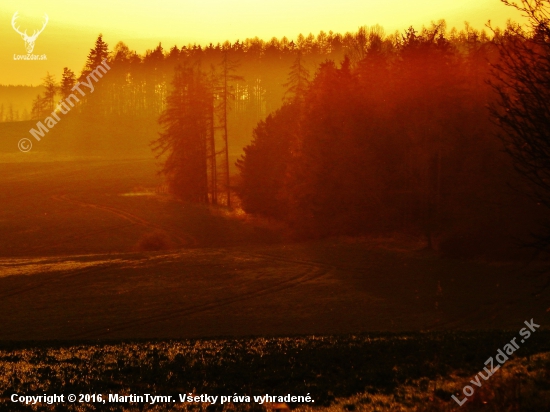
(73, 27)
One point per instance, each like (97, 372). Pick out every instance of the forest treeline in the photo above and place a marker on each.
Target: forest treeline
(357, 133)
(135, 92)
(396, 139)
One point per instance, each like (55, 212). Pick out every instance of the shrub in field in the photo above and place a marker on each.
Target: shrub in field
(157, 240)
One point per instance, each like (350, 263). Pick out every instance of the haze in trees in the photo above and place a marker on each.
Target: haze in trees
(337, 134)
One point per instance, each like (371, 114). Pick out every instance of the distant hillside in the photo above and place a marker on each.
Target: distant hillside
(16, 102)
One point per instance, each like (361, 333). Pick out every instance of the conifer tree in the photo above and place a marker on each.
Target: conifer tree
(45, 103)
(96, 56)
(298, 80)
(183, 140)
(51, 91)
(68, 80)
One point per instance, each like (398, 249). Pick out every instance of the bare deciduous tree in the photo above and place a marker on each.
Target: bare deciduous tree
(521, 80)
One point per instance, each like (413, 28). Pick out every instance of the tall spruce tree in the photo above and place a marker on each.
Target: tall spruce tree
(96, 56)
(183, 140)
(298, 80)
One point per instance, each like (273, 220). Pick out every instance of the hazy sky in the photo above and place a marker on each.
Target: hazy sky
(74, 24)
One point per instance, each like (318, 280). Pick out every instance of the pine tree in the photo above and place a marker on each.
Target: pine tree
(49, 94)
(98, 102)
(68, 80)
(44, 104)
(11, 116)
(38, 110)
(298, 80)
(183, 140)
(96, 56)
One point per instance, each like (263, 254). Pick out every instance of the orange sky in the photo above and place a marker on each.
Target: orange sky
(74, 24)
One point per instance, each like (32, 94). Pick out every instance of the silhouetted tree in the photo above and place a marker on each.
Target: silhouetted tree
(522, 81)
(12, 114)
(298, 80)
(183, 140)
(51, 91)
(96, 56)
(68, 80)
(38, 110)
(44, 104)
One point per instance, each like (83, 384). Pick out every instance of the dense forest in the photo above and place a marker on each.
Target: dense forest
(401, 133)
(351, 134)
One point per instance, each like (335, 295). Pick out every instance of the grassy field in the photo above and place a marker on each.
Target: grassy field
(374, 372)
(100, 270)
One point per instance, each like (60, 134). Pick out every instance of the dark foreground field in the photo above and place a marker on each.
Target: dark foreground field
(374, 372)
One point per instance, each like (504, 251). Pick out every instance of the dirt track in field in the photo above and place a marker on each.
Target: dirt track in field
(236, 292)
